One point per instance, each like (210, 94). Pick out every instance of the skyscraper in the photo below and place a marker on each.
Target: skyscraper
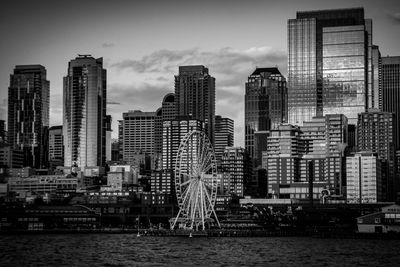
(84, 119)
(195, 96)
(28, 113)
(265, 103)
(56, 146)
(375, 133)
(138, 134)
(330, 64)
(223, 136)
(391, 90)
(108, 137)
(2, 131)
(167, 111)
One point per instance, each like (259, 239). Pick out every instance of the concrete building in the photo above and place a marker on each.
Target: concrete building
(376, 133)
(364, 178)
(85, 95)
(282, 158)
(236, 166)
(41, 185)
(195, 96)
(329, 64)
(138, 134)
(28, 113)
(56, 146)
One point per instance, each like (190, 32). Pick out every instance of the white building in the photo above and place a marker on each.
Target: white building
(363, 172)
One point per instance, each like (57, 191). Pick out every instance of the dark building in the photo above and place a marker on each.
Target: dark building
(391, 90)
(329, 64)
(224, 136)
(265, 104)
(84, 121)
(375, 133)
(56, 146)
(28, 114)
(2, 131)
(167, 111)
(195, 96)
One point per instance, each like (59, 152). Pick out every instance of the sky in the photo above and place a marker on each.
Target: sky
(144, 42)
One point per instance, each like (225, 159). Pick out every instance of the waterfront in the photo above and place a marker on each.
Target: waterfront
(129, 250)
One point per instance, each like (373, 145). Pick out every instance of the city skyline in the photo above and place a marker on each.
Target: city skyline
(143, 47)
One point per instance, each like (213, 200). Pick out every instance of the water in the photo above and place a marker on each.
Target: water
(129, 250)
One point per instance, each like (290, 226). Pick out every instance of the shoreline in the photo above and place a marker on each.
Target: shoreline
(208, 233)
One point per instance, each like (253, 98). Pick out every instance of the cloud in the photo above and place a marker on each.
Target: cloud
(107, 45)
(394, 17)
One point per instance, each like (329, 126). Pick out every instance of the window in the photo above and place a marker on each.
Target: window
(377, 220)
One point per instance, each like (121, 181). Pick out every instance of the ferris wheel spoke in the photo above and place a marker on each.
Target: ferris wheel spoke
(188, 181)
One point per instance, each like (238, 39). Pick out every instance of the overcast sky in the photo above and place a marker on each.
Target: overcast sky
(144, 42)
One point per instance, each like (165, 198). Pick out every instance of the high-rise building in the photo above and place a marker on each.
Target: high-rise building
(310, 157)
(168, 107)
(329, 64)
(28, 113)
(326, 140)
(237, 166)
(138, 134)
(166, 112)
(85, 89)
(375, 133)
(2, 131)
(391, 90)
(265, 103)
(56, 146)
(375, 91)
(282, 158)
(195, 96)
(173, 133)
(108, 137)
(224, 136)
(364, 181)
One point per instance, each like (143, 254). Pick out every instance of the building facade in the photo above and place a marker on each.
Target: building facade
(376, 133)
(236, 166)
(265, 103)
(364, 180)
(329, 64)
(195, 96)
(138, 134)
(28, 113)
(84, 116)
(224, 136)
(56, 146)
(391, 90)
(173, 132)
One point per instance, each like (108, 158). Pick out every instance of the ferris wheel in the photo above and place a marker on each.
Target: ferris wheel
(195, 181)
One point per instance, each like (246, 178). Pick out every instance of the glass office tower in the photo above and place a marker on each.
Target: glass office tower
(85, 112)
(330, 64)
(28, 114)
